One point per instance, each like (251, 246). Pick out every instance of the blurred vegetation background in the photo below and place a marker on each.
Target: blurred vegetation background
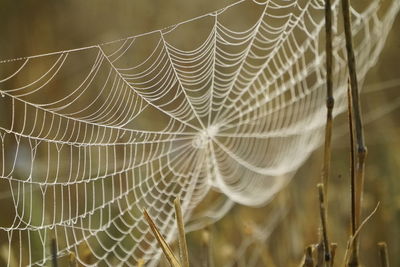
(246, 236)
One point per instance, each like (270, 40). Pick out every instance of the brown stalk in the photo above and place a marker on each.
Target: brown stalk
(383, 254)
(308, 257)
(161, 241)
(352, 162)
(330, 101)
(333, 248)
(181, 232)
(361, 148)
(206, 259)
(320, 255)
(54, 261)
(354, 237)
(325, 241)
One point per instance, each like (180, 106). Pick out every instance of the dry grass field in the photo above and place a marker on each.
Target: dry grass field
(277, 233)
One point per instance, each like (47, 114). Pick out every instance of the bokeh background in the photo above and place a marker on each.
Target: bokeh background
(278, 233)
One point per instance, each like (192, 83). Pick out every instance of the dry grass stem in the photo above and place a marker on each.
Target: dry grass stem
(383, 254)
(206, 259)
(161, 241)
(361, 148)
(308, 257)
(181, 232)
(333, 248)
(353, 238)
(330, 101)
(352, 162)
(325, 241)
(54, 261)
(320, 255)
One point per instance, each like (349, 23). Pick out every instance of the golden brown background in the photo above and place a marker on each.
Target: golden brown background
(33, 27)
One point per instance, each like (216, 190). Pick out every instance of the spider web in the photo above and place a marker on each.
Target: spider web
(91, 136)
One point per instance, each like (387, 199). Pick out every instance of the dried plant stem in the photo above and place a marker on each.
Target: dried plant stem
(330, 101)
(352, 162)
(324, 255)
(322, 207)
(333, 252)
(308, 258)
(181, 231)
(383, 254)
(206, 259)
(361, 148)
(353, 238)
(161, 241)
(320, 254)
(54, 261)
